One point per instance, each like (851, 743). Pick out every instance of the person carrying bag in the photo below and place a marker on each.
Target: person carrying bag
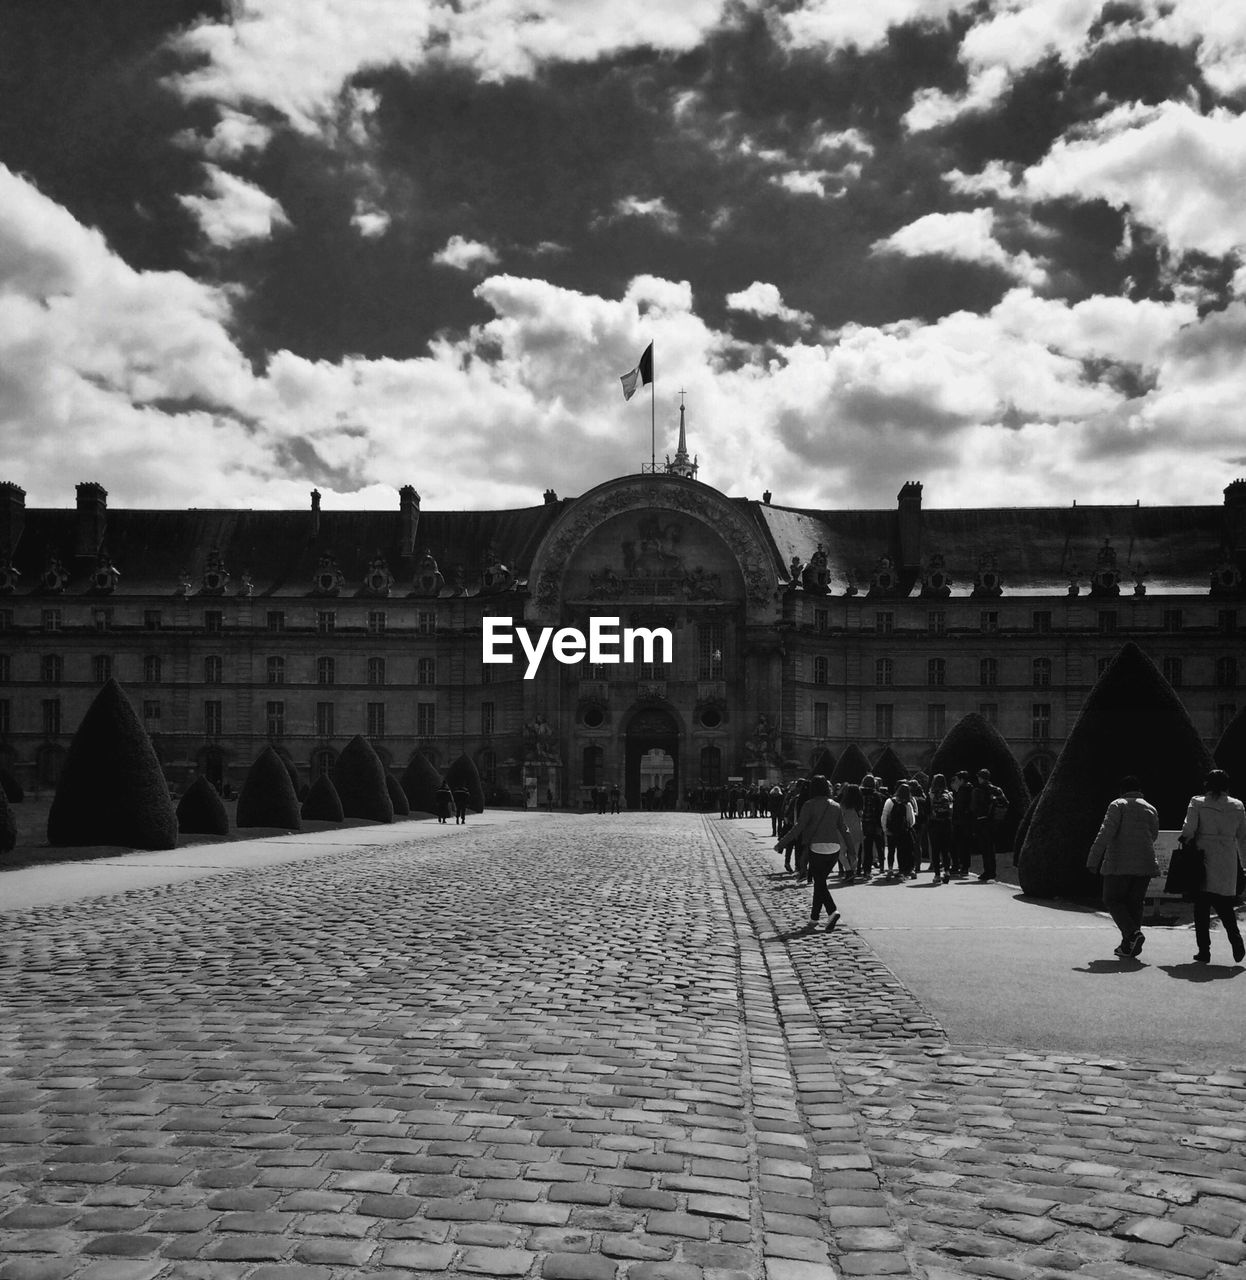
(1216, 822)
(1124, 855)
(820, 824)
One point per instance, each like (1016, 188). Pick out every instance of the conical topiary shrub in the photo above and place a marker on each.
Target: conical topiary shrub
(323, 804)
(397, 797)
(824, 764)
(12, 789)
(890, 768)
(852, 766)
(201, 812)
(1131, 723)
(112, 789)
(8, 825)
(359, 777)
(267, 797)
(463, 773)
(420, 781)
(975, 743)
(1230, 754)
(1018, 839)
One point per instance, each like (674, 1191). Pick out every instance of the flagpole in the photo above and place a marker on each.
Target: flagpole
(653, 417)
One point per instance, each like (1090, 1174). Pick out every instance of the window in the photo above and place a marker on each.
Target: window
(51, 668)
(653, 670)
(1173, 672)
(4, 717)
(275, 719)
(884, 721)
(425, 719)
(489, 767)
(936, 622)
(51, 717)
(822, 620)
(1226, 673)
(592, 760)
(101, 619)
(1172, 620)
(1226, 620)
(989, 711)
(1226, 713)
(1107, 622)
(101, 668)
(326, 671)
(51, 619)
(821, 671)
(1040, 721)
(988, 673)
(276, 620)
(151, 710)
(376, 670)
(213, 620)
(936, 721)
(988, 621)
(376, 622)
(426, 622)
(151, 668)
(1042, 621)
(326, 621)
(376, 719)
(884, 672)
(711, 765)
(884, 622)
(592, 673)
(212, 718)
(276, 670)
(821, 719)
(936, 671)
(426, 671)
(711, 639)
(212, 669)
(488, 719)
(324, 719)
(5, 669)
(151, 619)
(1042, 673)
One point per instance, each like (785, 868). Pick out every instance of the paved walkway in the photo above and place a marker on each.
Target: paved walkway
(562, 1047)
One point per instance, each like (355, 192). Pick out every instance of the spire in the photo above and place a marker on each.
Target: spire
(682, 465)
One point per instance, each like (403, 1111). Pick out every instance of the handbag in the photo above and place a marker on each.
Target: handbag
(1187, 872)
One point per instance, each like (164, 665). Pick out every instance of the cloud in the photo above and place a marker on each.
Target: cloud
(234, 211)
(235, 134)
(835, 25)
(465, 255)
(1173, 170)
(761, 299)
(656, 211)
(371, 222)
(968, 236)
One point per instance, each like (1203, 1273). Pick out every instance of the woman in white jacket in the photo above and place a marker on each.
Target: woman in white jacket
(1216, 822)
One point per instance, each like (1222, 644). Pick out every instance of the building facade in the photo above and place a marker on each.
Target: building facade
(793, 631)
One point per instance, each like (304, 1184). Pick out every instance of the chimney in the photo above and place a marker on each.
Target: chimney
(409, 508)
(12, 517)
(1235, 517)
(315, 513)
(92, 517)
(765, 497)
(910, 525)
(550, 497)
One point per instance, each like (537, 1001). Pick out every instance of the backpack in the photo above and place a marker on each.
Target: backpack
(941, 805)
(999, 805)
(898, 818)
(871, 809)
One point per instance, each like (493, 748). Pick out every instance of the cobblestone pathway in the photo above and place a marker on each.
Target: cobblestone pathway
(564, 1049)
(1002, 1163)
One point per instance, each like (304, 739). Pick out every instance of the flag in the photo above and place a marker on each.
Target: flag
(640, 375)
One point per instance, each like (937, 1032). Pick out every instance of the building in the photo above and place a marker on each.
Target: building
(792, 630)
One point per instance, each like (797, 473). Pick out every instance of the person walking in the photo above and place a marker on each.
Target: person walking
(462, 799)
(820, 825)
(445, 802)
(614, 797)
(899, 818)
(939, 828)
(1216, 822)
(1123, 854)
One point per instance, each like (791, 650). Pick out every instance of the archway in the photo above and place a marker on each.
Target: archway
(651, 730)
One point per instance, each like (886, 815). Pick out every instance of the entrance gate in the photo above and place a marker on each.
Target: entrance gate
(650, 730)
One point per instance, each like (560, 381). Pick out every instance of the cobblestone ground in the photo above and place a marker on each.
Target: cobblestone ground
(575, 1048)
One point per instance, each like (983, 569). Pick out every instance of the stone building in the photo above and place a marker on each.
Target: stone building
(793, 630)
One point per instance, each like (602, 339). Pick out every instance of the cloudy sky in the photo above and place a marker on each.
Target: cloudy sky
(998, 246)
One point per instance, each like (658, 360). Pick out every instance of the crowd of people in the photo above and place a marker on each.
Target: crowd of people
(868, 829)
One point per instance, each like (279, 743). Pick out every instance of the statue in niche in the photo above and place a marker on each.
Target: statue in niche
(428, 578)
(816, 575)
(539, 738)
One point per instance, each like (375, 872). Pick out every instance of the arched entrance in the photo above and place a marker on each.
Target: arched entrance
(650, 731)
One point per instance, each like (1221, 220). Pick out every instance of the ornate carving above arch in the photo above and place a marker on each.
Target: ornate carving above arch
(664, 493)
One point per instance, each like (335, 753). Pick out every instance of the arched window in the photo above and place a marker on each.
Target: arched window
(322, 760)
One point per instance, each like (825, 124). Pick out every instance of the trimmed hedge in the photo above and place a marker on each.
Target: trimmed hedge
(323, 804)
(8, 825)
(12, 789)
(1230, 754)
(359, 777)
(824, 764)
(112, 789)
(420, 781)
(397, 797)
(201, 812)
(974, 743)
(890, 768)
(463, 773)
(267, 797)
(1131, 723)
(852, 766)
